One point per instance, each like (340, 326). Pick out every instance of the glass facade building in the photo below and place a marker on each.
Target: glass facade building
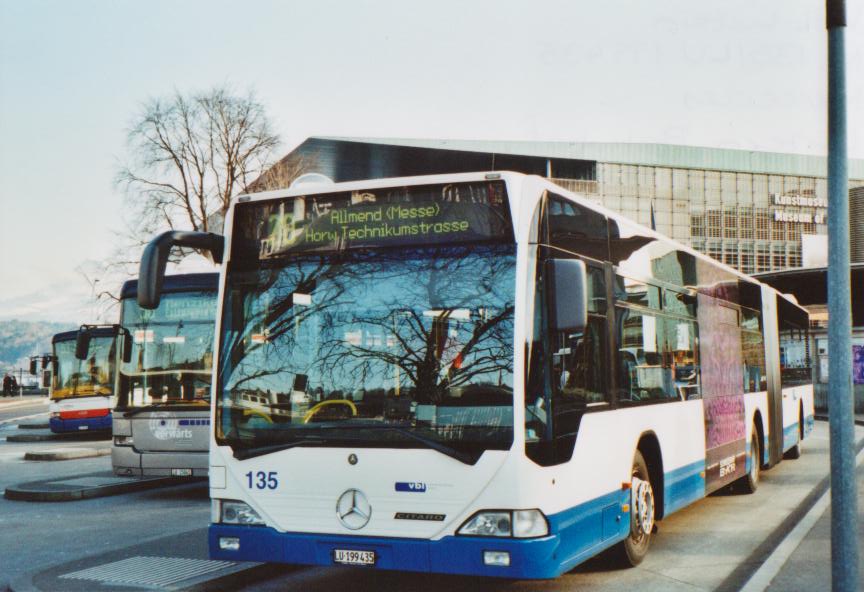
(753, 222)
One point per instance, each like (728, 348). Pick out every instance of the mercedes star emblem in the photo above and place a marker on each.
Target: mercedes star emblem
(353, 509)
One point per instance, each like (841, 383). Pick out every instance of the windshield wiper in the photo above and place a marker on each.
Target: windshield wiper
(463, 457)
(144, 409)
(244, 453)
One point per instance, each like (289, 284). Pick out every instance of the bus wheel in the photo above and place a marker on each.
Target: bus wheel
(632, 550)
(750, 481)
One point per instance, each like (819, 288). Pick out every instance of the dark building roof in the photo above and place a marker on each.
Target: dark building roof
(345, 159)
(810, 286)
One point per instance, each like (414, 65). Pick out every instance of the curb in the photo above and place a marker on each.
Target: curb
(104, 435)
(776, 563)
(67, 453)
(53, 490)
(34, 426)
(31, 437)
(751, 564)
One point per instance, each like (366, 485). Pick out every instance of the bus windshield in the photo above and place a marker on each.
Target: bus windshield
(172, 351)
(380, 346)
(84, 378)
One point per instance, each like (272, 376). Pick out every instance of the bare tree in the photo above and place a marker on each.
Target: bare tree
(189, 154)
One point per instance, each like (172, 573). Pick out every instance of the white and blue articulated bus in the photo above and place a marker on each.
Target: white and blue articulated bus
(162, 415)
(82, 390)
(478, 374)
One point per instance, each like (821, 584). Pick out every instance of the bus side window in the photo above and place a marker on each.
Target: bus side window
(681, 359)
(639, 362)
(795, 368)
(578, 364)
(656, 357)
(794, 356)
(753, 350)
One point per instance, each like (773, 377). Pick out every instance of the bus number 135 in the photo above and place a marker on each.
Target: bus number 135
(262, 480)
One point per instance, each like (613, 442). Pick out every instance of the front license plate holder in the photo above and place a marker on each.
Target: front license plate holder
(181, 472)
(354, 557)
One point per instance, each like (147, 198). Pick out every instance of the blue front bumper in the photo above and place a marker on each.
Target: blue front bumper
(529, 558)
(86, 424)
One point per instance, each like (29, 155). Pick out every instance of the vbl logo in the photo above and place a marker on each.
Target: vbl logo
(413, 486)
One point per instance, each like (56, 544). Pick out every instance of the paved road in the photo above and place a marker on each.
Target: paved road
(37, 535)
(22, 409)
(712, 545)
(808, 567)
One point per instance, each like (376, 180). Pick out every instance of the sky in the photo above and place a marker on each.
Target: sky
(73, 76)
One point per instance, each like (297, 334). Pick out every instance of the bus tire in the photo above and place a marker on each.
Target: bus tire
(750, 481)
(631, 551)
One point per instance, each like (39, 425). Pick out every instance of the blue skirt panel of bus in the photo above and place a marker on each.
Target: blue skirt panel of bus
(576, 535)
(529, 558)
(790, 436)
(791, 433)
(683, 486)
(86, 424)
(809, 425)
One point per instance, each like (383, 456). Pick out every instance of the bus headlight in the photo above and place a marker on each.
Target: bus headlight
(122, 440)
(54, 415)
(519, 524)
(234, 512)
(529, 523)
(487, 524)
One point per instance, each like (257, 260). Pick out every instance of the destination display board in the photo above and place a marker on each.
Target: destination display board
(187, 307)
(412, 216)
(183, 307)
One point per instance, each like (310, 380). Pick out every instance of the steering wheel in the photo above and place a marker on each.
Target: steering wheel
(312, 412)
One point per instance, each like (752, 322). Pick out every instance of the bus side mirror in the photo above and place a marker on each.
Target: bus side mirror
(127, 346)
(155, 258)
(568, 295)
(82, 344)
(33, 366)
